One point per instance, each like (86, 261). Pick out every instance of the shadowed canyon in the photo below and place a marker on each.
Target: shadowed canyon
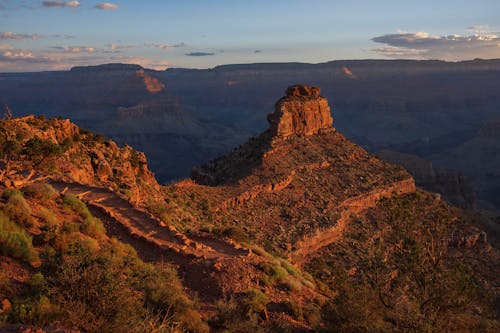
(439, 119)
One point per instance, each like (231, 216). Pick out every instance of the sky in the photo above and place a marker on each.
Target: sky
(158, 34)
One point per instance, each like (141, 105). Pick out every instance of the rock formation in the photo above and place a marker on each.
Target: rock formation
(152, 84)
(298, 179)
(301, 112)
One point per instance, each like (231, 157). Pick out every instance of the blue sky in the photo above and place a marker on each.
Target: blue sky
(43, 35)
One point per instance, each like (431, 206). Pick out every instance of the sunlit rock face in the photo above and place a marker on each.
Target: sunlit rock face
(301, 112)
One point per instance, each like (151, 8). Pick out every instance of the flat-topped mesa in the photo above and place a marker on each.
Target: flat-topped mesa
(301, 112)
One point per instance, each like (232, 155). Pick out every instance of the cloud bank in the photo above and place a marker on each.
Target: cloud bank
(13, 35)
(74, 49)
(107, 6)
(56, 4)
(422, 45)
(114, 46)
(64, 57)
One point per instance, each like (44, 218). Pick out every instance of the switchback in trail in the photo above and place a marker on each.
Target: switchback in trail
(154, 240)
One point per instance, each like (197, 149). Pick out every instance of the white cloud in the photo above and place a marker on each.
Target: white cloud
(64, 57)
(75, 49)
(107, 6)
(423, 45)
(13, 35)
(119, 46)
(55, 4)
(14, 55)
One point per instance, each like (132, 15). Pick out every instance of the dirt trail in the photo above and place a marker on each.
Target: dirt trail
(154, 241)
(349, 208)
(142, 224)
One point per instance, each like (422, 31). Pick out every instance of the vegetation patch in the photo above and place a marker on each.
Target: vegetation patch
(41, 191)
(393, 272)
(17, 208)
(14, 241)
(91, 225)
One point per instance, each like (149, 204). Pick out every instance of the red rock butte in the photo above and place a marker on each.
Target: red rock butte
(301, 112)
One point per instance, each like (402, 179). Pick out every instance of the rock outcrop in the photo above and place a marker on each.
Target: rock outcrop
(152, 84)
(60, 150)
(301, 112)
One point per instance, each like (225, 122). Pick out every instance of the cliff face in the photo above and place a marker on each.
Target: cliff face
(152, 84)
(423, 108)
(301, 112)
(479, 160)
(455, 187)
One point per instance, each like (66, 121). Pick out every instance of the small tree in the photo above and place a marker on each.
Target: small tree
(7, 115)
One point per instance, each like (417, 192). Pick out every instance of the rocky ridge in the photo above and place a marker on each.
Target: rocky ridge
(35, 149)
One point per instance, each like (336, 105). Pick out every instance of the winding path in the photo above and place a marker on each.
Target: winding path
(348, 208)
(155, 241)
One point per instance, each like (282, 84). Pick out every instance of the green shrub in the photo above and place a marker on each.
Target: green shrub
(255, 302)
(38, 149)
(100, 138)
(121, 250)
(274, 273)
(48, 218)
(228, 313)
(164, 294)
(76, 205)
(14, 241)
(233, 232)
(94, 295)
(70, 228)
(11, 148)
(8, 193)
(16, 245)
(17, 208)
(293, 284)
(111, 290)
(39, 311)
(135, 159)
(41, 191)
(292, 270)
(91, 226)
